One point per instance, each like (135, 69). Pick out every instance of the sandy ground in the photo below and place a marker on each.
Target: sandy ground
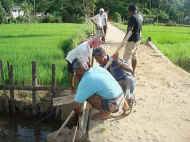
(162, 112)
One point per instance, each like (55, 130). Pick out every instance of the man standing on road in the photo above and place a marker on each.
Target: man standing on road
(132, 37)
(100, 21)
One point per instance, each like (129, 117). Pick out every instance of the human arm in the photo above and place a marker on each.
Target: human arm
(124, 41)
(125, 66)
(85, 89)
(127, 35)
(94, 20)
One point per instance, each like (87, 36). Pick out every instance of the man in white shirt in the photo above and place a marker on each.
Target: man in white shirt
(82, 52)
(100, 21)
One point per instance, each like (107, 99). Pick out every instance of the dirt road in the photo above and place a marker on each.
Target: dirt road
(162, 112)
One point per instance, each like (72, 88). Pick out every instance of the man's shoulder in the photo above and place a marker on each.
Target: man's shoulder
(132, 17)
(83, 45)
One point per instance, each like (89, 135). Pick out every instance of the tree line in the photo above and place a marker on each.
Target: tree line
(176, 11)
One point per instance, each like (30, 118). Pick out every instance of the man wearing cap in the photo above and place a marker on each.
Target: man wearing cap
(83, 52)
(119, 70)
(100, 89)
(132, 37)
(100, 20)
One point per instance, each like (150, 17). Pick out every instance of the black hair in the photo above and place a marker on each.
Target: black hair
(132, 8)
(98, 51)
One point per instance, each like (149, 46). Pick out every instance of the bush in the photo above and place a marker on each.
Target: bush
(146, 11)
(163, 17)
(116, 17)
(149, 19)
(2, 14)
(69, 44)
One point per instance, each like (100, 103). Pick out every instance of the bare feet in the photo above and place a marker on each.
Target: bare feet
(125, 106)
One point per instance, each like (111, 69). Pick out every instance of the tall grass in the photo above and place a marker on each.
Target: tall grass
(173, 41)
(21, 44)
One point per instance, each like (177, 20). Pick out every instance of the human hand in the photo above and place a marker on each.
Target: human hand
(115, 56)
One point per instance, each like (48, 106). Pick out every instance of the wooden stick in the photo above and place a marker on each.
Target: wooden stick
(65, 123)
(11, 82)
(53, 83)
(1, 71)
(34, 84)
(75, 132)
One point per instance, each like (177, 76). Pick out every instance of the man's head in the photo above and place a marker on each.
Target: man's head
(78, 68)
(132, 9)
(101, 11)
(94, 42)
(100, 56)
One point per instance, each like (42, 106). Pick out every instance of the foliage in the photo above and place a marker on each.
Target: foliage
(78, 10)
(22, 43)
(51, 19)
(117, 17)
(2, 14)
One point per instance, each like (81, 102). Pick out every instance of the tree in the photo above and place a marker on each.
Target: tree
(27, 8)
(2, 14)
(7, 5)
(187, 7)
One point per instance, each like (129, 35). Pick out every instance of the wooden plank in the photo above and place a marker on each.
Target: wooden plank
(83, 123)
(30, 88)
(37, 88)
(67, 99)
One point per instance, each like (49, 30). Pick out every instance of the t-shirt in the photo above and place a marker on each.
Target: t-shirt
(82, 52)
(115, 69)
(97, 80)
(105, 19)
(136, 27)
(100, 19)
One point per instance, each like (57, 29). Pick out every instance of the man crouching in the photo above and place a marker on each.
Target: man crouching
(100, 89)
(119, 70)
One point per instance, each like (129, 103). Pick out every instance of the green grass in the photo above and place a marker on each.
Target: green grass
(173, 41)
(20, 44)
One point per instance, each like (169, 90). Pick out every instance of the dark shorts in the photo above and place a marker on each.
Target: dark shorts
(70, 66)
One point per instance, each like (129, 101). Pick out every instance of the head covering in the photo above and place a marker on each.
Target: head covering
(94, 42)
(101, 10)
(98, 52)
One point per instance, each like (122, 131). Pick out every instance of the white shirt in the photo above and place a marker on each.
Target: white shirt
(101, 19)
(82, 52)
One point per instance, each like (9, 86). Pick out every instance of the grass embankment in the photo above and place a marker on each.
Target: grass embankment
(173, 41)
(44, 43)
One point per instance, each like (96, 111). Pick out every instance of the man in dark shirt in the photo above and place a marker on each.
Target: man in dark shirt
(132, 37)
